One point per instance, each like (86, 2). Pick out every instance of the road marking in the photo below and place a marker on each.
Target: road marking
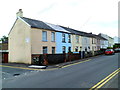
(76, 63)
(47, 69)
(26, 68)
(105, 80)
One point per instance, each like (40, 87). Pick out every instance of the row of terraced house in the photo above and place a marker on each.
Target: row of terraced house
(30, 36)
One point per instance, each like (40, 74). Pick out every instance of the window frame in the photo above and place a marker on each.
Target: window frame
(77, 38)
(63, 38)
(63, 49)
(52, 50)
(44, 49)
(69, 38)
(69, 49)
(53, 36)
(44, 38)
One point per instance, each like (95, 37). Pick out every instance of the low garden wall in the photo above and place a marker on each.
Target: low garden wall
(44, 59)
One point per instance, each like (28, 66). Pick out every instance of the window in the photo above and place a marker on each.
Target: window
(92, 41)
(76, 49)
(77, 39)
(63, 37)
(53, 36)
(69, 49)
(44, 50)
(85, 40)
(69, 38)
(53, 50)
(44, 36)
(64, 49)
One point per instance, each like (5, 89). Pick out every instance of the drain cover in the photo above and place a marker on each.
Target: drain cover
(16, 74)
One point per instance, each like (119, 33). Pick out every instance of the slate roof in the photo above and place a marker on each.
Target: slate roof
(97, 36)
(43, 25)
(77, 32)
(101, 37)
(36, 23)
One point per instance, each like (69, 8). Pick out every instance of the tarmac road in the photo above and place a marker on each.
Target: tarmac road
(81, 75)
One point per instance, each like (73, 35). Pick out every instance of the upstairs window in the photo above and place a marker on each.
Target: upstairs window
(69, 38)
(44, 36)
(92, 41)
(63, 37)
(77, 39)
(53, 36)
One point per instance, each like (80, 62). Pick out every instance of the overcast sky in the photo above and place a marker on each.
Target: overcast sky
(96, 16)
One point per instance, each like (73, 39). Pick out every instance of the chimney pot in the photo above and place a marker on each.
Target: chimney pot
(19, 13)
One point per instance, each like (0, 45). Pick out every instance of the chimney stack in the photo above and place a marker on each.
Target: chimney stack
(19, 13)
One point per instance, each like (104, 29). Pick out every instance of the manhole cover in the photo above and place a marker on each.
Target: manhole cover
(16, 74)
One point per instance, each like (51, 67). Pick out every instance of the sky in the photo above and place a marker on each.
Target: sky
(96, 16)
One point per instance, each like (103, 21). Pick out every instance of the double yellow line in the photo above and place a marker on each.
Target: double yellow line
(45, 69)
(105, 80)
(27, 68)
(76, 63)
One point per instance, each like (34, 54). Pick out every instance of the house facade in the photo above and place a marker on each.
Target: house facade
(76, 43)
(110, 40)
(76, 40)
(116, 39)
(30, 37)
(63, 42)
(86, 44)
(62, 39)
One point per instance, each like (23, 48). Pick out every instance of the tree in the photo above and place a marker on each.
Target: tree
(4, 39)
(116, 46)
(109, 48)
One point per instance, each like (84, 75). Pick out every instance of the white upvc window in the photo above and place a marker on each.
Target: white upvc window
(44, 35)
(53, 36)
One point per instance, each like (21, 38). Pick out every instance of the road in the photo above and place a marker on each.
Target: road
(82, 75)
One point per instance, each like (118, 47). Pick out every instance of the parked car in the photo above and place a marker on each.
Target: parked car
(109, 52)
(117, 50)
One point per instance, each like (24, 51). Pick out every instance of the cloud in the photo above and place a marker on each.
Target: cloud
(47, 9)
(97, 16)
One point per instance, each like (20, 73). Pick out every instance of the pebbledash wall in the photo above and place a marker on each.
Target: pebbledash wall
(60, 44)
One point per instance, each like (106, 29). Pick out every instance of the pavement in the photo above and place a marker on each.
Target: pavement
(60, 65)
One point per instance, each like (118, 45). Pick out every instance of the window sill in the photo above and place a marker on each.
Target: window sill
(63, 42)
(44, 41)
